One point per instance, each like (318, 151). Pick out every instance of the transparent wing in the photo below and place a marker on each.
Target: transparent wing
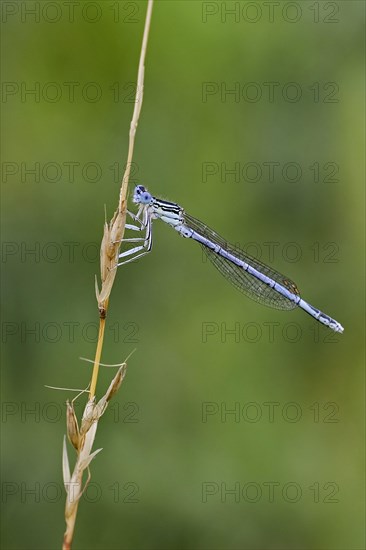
(241, 279)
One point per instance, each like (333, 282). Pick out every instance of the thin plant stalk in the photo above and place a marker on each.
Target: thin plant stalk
(82, 438)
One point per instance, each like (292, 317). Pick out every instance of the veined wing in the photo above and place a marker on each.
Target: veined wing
(245, 282)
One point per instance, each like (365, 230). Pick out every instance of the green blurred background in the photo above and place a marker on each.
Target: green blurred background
(164, 478)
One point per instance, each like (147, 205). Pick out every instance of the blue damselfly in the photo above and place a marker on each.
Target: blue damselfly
(255, 279)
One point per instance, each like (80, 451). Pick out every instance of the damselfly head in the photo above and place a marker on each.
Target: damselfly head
(141, 195)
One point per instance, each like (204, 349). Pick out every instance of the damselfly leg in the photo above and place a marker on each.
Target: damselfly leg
(146, 246)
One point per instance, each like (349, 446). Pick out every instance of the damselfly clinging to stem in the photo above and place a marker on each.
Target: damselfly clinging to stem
(251, 276)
